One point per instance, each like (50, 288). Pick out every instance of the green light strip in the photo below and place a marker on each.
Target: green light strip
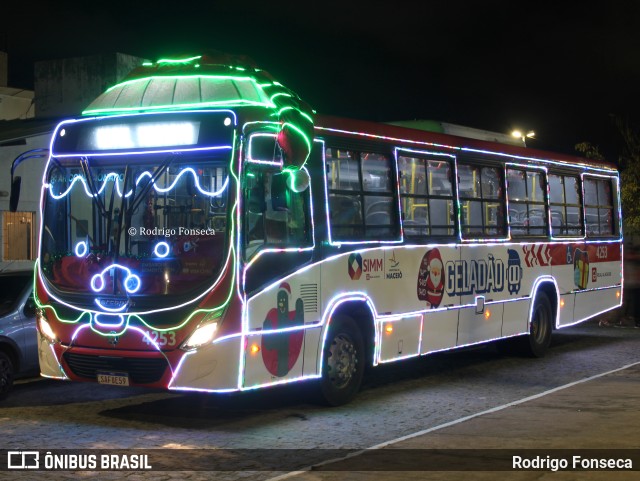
(220, 103)
(302, 134)
(283, 109)
(186, 60)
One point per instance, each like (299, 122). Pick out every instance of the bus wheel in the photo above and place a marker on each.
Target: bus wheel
(539, 338)
(6, 375)
(342, 362)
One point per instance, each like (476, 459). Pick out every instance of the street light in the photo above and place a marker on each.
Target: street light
(518, 134)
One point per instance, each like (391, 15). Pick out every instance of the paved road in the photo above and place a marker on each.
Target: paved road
(397, 400)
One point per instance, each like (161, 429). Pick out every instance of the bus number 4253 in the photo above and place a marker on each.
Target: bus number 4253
(160, 338)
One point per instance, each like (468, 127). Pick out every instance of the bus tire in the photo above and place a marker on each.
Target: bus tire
(343, 362)
(7, 373)
(540, 326)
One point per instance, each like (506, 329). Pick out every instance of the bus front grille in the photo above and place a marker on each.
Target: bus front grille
(140, 370)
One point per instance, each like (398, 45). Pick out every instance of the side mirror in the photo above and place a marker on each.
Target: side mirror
(30, 307)
(15, 193)
(298, 180)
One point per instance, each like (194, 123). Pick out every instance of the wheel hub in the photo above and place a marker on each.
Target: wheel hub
(342, 361)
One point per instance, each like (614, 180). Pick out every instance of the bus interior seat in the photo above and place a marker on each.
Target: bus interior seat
(535, 218)
(378, 218)
(344, 210)
(516, 221)
(379, 213)
(556, 218)
(380, 205)
(514, 217)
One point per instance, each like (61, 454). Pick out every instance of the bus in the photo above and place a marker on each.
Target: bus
(204, 229)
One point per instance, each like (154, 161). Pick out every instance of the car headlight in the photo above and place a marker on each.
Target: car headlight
(45, 328)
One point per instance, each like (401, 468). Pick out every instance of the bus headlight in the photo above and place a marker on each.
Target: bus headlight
(45, 328)
(201, 336)
(204, 333)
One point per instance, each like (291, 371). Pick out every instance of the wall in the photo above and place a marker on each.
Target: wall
(16, 103)
(63, 88)
(31, 172)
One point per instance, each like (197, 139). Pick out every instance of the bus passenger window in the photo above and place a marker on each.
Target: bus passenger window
(599, 212)
(565, 205)
(482, 201)
(527, 206)
(362, 204)
(426, 195)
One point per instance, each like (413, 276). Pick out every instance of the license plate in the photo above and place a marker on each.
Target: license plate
(113, 378)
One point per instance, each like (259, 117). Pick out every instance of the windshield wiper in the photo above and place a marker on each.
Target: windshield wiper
(136, 199)
(86, 170)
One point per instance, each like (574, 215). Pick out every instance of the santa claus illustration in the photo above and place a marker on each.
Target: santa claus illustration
(430, 280)
(280, 351)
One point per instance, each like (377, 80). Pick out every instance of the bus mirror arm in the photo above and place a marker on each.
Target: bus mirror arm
(16, 180)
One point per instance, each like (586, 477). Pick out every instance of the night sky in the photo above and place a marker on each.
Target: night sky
(561, 68)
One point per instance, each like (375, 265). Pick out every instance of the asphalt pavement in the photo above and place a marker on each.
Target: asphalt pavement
(554, 435)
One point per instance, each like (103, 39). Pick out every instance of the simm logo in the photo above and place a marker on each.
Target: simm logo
(355, 266)
(372, 268)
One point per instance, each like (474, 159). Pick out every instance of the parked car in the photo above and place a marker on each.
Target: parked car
(18, 336)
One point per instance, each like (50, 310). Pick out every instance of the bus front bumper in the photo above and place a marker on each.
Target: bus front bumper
(212, 368)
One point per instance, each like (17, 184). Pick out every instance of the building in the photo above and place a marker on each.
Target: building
(460, 131)
(62, 89)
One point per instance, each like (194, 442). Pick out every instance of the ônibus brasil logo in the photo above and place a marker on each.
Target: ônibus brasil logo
(355, 266)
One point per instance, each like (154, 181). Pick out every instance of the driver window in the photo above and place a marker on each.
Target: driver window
(274, 215)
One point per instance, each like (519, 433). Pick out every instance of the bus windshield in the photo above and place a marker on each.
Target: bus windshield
(153, 225)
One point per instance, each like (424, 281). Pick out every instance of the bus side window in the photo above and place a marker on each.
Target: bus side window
(426, 195)
(482, 201)
(361, 197)
(527, 202)
(600, 217)
(565, 205)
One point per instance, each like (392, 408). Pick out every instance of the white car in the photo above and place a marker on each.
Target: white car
(18, 336)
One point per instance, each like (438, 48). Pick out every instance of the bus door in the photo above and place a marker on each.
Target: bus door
(277, 232)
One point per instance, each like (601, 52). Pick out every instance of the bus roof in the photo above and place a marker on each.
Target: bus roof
(179, 92)
(415, 138)
(205, 81)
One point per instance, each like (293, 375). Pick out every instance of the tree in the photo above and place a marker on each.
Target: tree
(589, 150)
(629, 164)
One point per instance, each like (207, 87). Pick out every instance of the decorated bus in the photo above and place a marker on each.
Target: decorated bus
(203, 229)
